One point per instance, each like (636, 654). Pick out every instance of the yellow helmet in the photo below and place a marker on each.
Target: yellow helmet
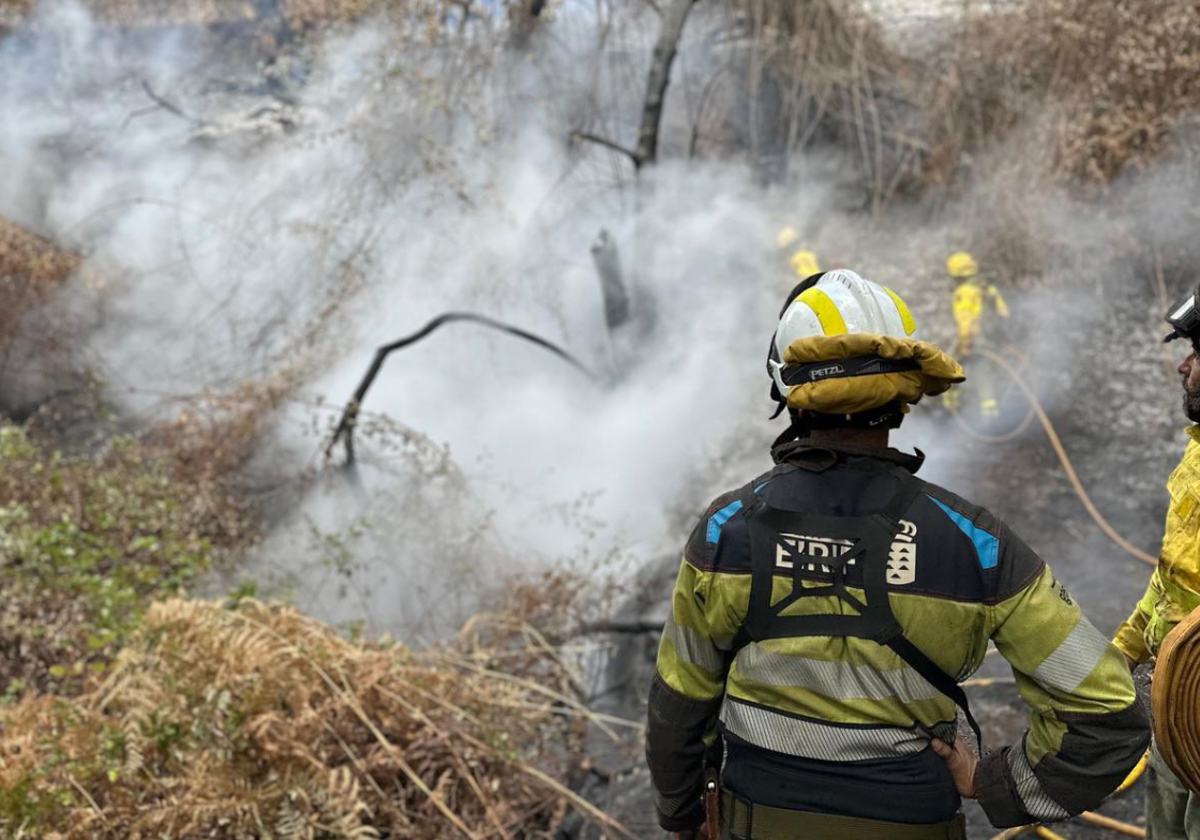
(961, 264)
(788, 236)
(804, 264)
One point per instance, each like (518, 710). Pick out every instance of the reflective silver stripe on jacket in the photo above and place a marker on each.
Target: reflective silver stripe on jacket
(694, 647)
(840, 680)
(825, 742)
(1074, 659)
(1034, 799)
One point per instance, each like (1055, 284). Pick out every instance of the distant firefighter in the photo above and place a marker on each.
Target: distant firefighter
(801, 263)
(970, 298)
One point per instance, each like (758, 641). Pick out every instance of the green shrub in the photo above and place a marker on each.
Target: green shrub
(86, 543)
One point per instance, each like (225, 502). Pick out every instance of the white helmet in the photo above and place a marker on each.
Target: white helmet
(835, 303)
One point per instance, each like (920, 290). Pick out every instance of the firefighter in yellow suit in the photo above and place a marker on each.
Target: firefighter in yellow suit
(803, 264)
(1172, 811)
(971, 297)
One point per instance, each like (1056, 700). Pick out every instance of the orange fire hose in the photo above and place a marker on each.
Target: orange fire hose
(1112, 825)
(1016, 432)
(1065, 460)
(1047, 834)
(1095, 819)
(1039, 830)
(1175, 697)
(1009, 833)
(1134, 774)
(1124, 544)
(1012, 434)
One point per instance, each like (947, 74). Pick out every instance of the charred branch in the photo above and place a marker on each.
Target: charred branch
(608, 144)
(629, 628)
(345, 428)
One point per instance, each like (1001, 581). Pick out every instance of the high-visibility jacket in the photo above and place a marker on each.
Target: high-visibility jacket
(1174, 589)
(842, 725)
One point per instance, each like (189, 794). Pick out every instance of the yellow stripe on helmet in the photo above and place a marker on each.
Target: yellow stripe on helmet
(906, 318)
(826, 311)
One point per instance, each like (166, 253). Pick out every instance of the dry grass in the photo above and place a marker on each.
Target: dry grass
(815, 72)
(1066, 90)
(1085, 90)
(431, 15)
(252, 720)
(24, 254)
(211, 437)
(31, 268)
(1093, 88)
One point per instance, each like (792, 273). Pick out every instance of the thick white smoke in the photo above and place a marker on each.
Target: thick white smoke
(404, 184)
(245, 220)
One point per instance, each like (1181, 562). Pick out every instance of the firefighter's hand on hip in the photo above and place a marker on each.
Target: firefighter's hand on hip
(962, 762)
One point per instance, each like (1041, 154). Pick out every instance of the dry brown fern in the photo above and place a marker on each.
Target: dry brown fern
(257, 721)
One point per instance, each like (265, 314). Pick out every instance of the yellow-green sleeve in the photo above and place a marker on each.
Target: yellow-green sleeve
(697, 635)
(1131, 636)
(707, 610)
(998, 299)
(1087, 729)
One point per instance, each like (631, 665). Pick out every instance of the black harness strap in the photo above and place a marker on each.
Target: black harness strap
(811, 545)
(938, 678)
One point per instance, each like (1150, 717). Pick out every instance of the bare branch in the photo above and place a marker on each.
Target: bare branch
(167, 105)
(636, 627)
(608, 144)
(162, 104)
(345, 427)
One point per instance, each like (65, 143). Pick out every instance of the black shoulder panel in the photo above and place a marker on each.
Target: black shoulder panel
(721, 541)
(957, 547)
(1019, 566)
(1001, 563)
